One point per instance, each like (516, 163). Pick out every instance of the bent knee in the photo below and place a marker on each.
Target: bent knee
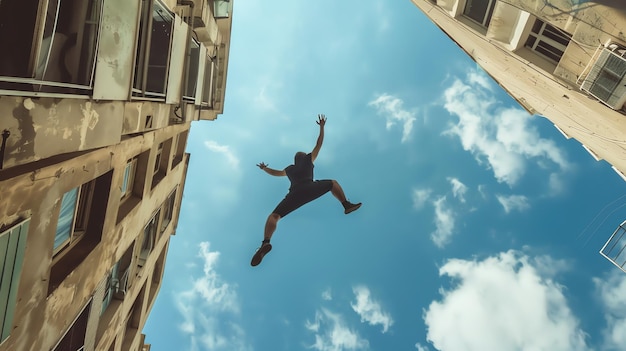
(274, 217)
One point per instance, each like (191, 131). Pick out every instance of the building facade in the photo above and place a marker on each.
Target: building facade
(564, 60)
(97, 98)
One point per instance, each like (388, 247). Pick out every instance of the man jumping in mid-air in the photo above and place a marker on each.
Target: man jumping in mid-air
(303, 190)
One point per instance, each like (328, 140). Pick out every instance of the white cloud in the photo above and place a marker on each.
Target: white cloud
(503, 137)
(327, 295)
(444, 221)
(370, 310)
(421, 347)
(612, 293)
(391, 107)
(206, 306)
(502, 303)
(332, 334)
(458, 189)
(420, 196)
(223, 150)
(513, 202)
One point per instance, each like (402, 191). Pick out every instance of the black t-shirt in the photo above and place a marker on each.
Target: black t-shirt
(301, 172)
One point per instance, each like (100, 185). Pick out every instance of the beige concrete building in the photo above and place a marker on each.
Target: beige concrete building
(96, 102)
(561, 59)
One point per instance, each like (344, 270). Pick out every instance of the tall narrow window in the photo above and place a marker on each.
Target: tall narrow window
(548, 41)
(149, 237)
(192, 71)
(168, 208)
(129, 178)
(480, 11)
(73, 216)
(153, 51)
(157, 159)
(12, 246)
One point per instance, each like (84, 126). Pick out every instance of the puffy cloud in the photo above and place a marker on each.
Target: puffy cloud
(370, 310)
(420, 197)
(332, 334)
(204, 306)
(513, 202)
(503, 137)
(458, 189)
(444, 221)
(504, 302)
(612, 292)
(421, 347)
(391, 108)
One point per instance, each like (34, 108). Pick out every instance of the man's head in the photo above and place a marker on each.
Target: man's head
(299, 157)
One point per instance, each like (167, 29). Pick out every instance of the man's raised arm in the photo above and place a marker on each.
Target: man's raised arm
(271, 171)
(321, 121)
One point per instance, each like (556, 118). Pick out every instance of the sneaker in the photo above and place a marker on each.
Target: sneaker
(350, 207)
(260, 253)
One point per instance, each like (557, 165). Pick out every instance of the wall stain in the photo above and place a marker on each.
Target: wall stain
(24, 147)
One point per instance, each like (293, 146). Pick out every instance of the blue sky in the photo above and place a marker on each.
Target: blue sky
(480, 226)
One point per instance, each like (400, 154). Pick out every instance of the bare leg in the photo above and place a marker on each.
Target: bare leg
(341, 196)
(338, 192)
(270, 226)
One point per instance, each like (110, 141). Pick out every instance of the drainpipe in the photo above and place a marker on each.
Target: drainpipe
(185, 66)
(5, 136)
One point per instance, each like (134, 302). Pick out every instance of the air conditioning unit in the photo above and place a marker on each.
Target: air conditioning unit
(606, 80)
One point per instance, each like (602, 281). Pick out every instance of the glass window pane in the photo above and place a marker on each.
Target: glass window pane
(66, 218)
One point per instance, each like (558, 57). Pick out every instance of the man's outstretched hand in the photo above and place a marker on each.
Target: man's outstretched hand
(262, 165)
(321, 120)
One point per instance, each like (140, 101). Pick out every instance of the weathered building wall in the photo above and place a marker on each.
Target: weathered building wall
(41, 315)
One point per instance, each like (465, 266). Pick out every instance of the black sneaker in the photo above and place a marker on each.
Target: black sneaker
(350, 207)
(260, 253)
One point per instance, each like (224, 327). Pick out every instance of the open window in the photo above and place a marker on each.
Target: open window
(193, 64)
(153, 50)
(79, 226)
(168, 211)
(58, 58)
(149, 238)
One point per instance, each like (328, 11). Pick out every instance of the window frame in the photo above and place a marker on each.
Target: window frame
(536, 39)
(80, 217)
(150, 9)
(128, 180)
(34, 77)
(486, 19)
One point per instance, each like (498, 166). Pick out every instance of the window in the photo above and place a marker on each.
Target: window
(73, 216)
(81, 221)
(153, 50)
(168, 210)
(548, 41)
(179, 143)
(149, 237)
(74, 338)
(59, 57)
(609, 77)
(12, 246)
(207, 91)
(222, 8)
(129, 177)
(480, 11)
(157, 159)
(117, 281)
(192, 71)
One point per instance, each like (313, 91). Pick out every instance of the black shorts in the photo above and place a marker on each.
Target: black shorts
(301, 195)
